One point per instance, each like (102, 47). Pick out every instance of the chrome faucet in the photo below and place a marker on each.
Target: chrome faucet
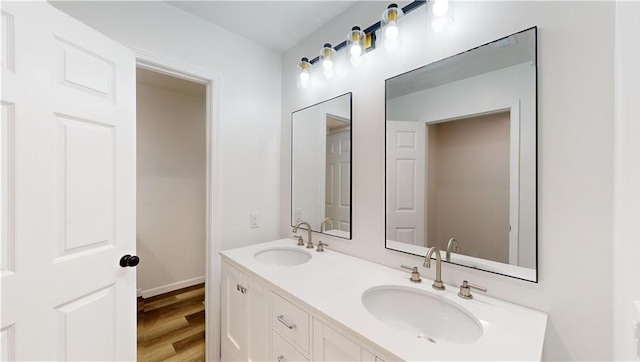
(295, 230)
(324, 221)
(437, 284)
(452, 245)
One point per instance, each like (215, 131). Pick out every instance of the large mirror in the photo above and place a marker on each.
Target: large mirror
(321, 166)
(461, 158)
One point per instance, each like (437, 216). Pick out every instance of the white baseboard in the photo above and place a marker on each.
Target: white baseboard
(139, 293)
(171, 287)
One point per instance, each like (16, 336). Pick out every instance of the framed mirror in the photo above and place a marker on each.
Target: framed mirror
(321, 166)
(461, 159)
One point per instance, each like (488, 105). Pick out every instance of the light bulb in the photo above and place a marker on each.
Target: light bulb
(327, 64)
(355, 50)
(304, 77)
(440, 7)
(391, 31)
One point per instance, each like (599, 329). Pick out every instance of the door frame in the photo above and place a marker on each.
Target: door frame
(212, 80)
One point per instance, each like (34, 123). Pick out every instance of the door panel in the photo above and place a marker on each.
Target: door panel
(6, 187)
(79, 69)
(80, 341)
(68, 188)
(330, 345)
(233, 314)
(406, 145)
(257, 320)
(338, 180)
(86, 170)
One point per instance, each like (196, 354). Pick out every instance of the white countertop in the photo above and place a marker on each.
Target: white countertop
(332, 283)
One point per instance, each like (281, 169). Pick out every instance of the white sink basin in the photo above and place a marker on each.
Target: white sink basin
(422, 314)
(283, 256)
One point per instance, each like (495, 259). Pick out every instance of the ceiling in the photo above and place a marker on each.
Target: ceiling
(278, 25)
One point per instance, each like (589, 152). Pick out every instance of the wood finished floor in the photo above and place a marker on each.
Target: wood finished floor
(171, 326)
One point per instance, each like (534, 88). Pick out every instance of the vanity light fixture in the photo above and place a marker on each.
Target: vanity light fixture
(359, 41)
(304, 78)
(326, 59)
(356, 46)
(439, 14)
(390, 28)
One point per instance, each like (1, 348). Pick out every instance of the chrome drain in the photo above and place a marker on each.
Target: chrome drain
(427, 338)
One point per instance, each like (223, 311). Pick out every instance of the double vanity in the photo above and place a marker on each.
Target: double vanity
(460, 177)
(283, 302)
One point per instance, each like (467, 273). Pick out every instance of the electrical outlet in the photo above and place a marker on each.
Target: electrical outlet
(298, 215)
(254, 220)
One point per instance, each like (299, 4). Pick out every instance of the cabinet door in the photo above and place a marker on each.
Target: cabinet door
(256, 299)
(233, 315)
(329, 345)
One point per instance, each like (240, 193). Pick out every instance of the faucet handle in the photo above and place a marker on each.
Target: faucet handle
(465, 290)
(415, 274)
(321, 245)
(300, 241)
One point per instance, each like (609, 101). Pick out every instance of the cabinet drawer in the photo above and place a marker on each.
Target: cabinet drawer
(291, 321)
(282, 351)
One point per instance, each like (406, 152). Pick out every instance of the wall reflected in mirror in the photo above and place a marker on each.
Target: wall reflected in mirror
(461, 158)
(321, 166)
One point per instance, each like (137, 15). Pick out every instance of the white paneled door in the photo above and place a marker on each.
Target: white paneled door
(338, 180)
(406, 143)
(68, 189)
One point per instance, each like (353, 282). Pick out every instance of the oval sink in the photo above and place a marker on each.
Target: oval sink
(283, 256)
(422, 314)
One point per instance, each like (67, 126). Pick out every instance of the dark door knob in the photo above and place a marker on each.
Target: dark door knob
(129, 260)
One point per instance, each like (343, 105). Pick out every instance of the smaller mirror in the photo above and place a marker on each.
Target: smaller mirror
(321, 166)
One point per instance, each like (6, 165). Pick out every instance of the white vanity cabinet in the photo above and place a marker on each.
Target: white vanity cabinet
(259, 324)
(245, 317)
(331, 345)
(319, 309)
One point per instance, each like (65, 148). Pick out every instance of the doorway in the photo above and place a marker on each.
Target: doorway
(171, 235)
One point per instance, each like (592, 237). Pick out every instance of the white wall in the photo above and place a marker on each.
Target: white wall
(309, 141)
(626, 258)
(310, 163)
(250, 105)
(171, 184)
(576, 107)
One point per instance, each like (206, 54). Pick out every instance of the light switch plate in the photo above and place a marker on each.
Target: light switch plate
(254, 220)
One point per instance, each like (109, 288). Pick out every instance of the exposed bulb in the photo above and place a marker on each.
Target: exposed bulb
(391, 31)
(304, 77)
(327, 64)
(355, 50)
(440, 7)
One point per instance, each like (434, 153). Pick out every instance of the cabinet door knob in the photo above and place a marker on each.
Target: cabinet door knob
(241, 289)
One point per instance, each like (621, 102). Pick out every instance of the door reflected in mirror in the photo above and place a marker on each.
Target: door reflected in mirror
(461, 158)
(321, 166)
